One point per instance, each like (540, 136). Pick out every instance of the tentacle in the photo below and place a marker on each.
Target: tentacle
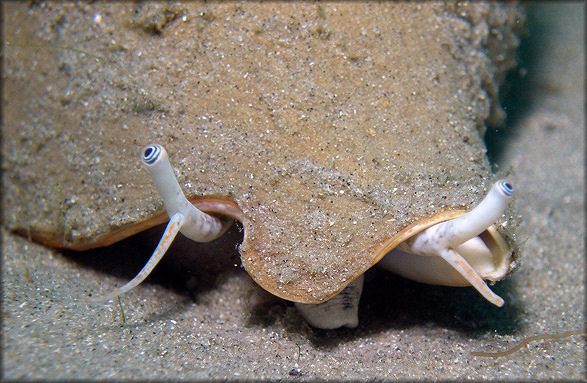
(436, 271)
(442, 239)
(340, 310)
(199, 226)
(173, 227)
(460, 264)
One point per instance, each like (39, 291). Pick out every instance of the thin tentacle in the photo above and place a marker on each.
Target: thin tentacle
(462, 266)
(173, 227)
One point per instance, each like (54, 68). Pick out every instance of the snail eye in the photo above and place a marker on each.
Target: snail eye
(506, 188)
(151, 154)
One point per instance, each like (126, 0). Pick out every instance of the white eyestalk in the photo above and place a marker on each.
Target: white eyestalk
(340, 310)
(458, 239)
(184, 217)
(198, 226)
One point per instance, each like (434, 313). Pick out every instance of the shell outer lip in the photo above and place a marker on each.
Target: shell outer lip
(227, 207)
(218, 206)
(302, 296)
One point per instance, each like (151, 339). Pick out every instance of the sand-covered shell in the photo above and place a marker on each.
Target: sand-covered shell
(331, 130)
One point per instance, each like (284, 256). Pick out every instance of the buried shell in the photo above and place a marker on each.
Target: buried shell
(332, 131)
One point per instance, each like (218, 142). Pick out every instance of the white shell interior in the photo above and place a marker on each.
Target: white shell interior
(488, 254)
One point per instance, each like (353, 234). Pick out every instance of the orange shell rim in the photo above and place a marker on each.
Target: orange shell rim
(225, 206)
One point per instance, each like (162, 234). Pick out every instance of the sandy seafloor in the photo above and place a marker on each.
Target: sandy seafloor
(201, 317)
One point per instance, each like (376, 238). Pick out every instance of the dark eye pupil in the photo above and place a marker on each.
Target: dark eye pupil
(506, 188)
